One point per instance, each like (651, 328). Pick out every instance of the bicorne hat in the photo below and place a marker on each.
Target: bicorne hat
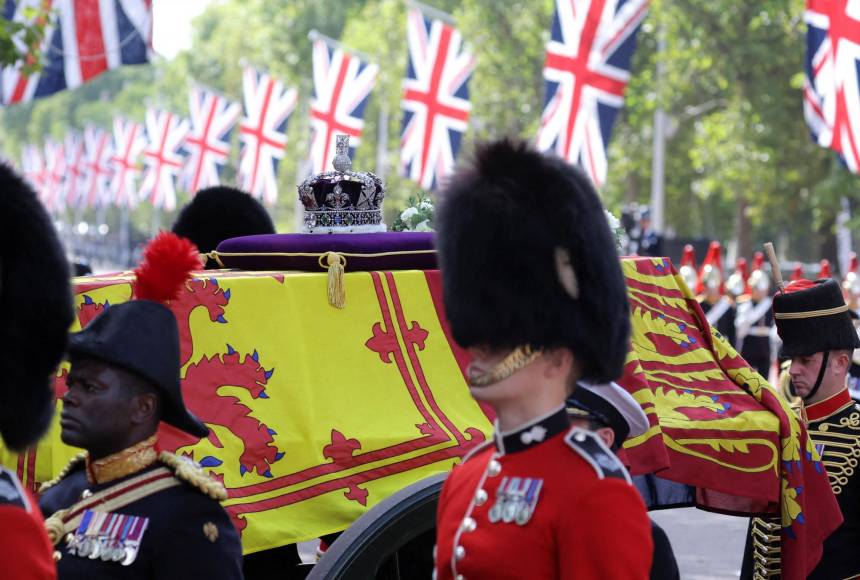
(37, 311)
(141, 336)
(812, 317)
(527, 258)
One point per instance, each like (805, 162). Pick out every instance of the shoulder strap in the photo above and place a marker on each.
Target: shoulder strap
(193, 474)
(592, 448)
(11, 491)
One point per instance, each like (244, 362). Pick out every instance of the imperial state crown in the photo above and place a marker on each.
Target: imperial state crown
(342, 201)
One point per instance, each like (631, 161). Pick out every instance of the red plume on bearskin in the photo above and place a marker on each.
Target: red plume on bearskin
(167, 262)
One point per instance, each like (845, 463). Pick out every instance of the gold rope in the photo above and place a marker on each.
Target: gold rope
(215, 254)
(810, 313)
(518, 358)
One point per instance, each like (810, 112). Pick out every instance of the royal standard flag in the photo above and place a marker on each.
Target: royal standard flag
(318, 413)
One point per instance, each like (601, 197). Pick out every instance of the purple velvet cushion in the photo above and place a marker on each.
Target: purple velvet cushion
(402, 251)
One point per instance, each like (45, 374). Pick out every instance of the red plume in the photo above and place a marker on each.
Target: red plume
(689, 257)
(798, 273)
(852, 266)
(825, 269)
(167, 262)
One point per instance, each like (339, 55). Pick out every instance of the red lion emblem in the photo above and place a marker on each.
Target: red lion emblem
(204, 378)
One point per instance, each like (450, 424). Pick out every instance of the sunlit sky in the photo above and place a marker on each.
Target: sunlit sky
(171, 29)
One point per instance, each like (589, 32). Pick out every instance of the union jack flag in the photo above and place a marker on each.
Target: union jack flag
(83, 38)
(33, 166)
(96, 189)
(75, 170)
(831, 89)
(342, 85)
(208, 142)
(55, 175)
(586, 71)
(162, 157)
(268, 105)
(128, 144)
(435, 99)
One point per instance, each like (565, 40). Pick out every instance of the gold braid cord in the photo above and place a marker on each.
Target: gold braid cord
(520, 357)
(767, 550)
(194, 475)
(76, 460)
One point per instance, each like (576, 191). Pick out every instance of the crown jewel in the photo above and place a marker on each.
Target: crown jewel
(342, 201)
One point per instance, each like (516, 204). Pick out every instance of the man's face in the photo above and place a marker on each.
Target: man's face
(804, 373)
(518, 385)
(96, 408)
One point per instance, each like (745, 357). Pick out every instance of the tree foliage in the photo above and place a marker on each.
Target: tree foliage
(739, 162)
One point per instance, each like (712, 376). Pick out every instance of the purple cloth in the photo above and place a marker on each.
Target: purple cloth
(388, 242)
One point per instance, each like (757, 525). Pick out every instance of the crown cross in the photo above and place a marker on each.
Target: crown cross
(342, 163)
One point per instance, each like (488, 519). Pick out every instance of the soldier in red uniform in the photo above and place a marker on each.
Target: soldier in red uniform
(534, 290)
(35, 299)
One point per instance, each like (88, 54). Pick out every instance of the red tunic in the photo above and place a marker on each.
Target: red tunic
(585, 524)
(25, 551)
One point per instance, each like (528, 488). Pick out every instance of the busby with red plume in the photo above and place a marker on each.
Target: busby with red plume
(851, 283)
(824, 269)
(737, 282)
(797, 274)
(759, 278)
(36, 301)
(688, 267)
(711, 272)
(141, 336)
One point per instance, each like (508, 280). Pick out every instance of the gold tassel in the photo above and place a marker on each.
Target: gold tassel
(335, 263)
(55, 527)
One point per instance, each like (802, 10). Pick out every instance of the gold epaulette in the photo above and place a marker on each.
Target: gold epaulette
(193, 474)
(76, 460)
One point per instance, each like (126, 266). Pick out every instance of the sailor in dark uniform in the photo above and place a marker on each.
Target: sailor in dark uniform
(533, 289)
(122, 509)
(754, 323)
(614, 415)
(818, 337)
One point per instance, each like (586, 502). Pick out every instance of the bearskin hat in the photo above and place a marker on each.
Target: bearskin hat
(505, 223)
(813, 317)
(36, 306)
(220, 213)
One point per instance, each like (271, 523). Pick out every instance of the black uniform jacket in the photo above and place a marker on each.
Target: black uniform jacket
(834, 427)
(189, 534)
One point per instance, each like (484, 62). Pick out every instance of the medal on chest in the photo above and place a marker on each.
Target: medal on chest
(516, 499)
(107, 536)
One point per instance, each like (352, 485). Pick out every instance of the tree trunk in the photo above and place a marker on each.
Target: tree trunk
(742, 227)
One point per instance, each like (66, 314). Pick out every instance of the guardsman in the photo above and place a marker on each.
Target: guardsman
(818, 336)
(737, 284)
(614, 415)
(824, 269)
(36, 307)
(219, 213)
(688, 267)
(533, 289)
(754, 320)
(717, 307)
(124, 509)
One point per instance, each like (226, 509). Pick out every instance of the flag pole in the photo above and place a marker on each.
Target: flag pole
(658, 161)
(774, 264)
(432, 12)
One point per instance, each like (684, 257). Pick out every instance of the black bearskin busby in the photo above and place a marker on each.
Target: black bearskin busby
(812, 317)
(505, 221)
(220, 213)
(36, 307)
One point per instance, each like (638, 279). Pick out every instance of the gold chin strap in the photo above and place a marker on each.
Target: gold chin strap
(519, 358)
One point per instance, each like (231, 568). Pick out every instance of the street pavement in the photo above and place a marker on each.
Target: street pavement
(707, 546)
